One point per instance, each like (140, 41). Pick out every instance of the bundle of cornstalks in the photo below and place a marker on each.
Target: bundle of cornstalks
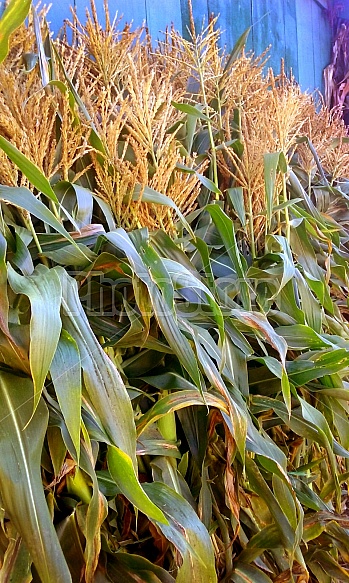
(174, 339)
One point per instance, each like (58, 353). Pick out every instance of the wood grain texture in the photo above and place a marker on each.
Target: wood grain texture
(291, 37)
(321, 43)
(160, 16)
(235, 16)
(268, 28)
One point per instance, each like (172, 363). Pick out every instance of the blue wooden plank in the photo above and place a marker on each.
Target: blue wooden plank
(200, 15)
(130, 10)
(268, 28)
(298, 30)
(234, 19)
(291, 38)
(321, 43)
(305, 51)
(161, 15)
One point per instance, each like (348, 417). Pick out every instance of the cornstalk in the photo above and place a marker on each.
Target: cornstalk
(209, 125)
(285, 199)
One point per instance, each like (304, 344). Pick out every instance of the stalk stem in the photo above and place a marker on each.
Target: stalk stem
(29, 224)
(251, 225)
(209, 125)
(285, 199)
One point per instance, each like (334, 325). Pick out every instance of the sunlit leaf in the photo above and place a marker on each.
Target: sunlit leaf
(21, 437)
(15, 13)
(103, 383)
(65, 372)
(190, 110)
(187, 533)
(122, 471)
(44, 291)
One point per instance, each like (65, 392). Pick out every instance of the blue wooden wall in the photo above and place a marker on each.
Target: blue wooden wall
(297, 30)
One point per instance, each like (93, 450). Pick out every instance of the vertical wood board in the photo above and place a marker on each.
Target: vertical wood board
(306, 76)
(159, 18)
(291, 37)
(322, 48)
(268, 28)
(234, 18)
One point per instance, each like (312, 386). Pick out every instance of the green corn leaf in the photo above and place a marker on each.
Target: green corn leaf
(302, 337)
(312, 308)
(207, 183)
(16, 564)
(225, 227)
(236, 196)
(244, 573)
(182, 278)
(15, 13)
(237, 415)
(301, 245)
(237, 48)
(21, 440)
(316, 418)
(4, 303)
(259, 322)
(29, 169)
(190, 110)
(95, 139)
(331, 567)
(65, 373)
(165, 316)
(122, 471)
(176, 401)
(319, 364)
(288, 268)
(267, 538)
(260, 487)
(271, 162)
(175, 338)
(105, 389)
(69, 536)
(23, 198)
(96, 513)
(44, 291)
(127, 567)
(151, 196)
(186, 531)
(158, 272)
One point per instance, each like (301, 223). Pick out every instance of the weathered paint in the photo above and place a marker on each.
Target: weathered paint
(297, 30)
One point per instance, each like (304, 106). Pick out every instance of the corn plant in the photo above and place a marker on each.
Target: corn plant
(173, 314)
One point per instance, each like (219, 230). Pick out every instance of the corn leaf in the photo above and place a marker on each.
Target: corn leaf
(122, 471)
(44, 291)
(4, 303)
(23, 198)
(151, 196)
(187, 533)
(29, 169)
(65, 373)
(13, 16)
(21, 439)
(225, 227)
(190, 110)
(104, 386)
